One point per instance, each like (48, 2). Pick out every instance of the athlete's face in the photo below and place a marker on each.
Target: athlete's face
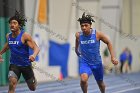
(85, 27)
(14, 25)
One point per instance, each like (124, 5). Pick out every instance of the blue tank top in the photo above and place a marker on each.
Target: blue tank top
(19, 51)
(90, 48)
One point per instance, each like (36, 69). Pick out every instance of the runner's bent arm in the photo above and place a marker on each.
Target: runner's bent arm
(106, 40)
(31, 43)
(77, 44)
(6, 46)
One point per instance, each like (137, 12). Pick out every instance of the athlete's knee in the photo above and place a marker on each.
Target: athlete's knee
(101, 85)
(84, 78)
(12, 83)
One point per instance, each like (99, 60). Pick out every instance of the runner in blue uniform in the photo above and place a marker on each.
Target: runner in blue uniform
(87, 47)
(19, 43)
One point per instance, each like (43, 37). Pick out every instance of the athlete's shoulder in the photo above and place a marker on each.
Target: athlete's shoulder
(26, 35)
(7, 35)
(99, 34)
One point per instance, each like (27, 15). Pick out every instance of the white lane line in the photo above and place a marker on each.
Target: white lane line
(110, 87)
(55, 84)
(125, 90)
(72, 83)
(77, 87)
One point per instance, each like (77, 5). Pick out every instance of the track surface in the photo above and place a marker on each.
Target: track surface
(124, 83)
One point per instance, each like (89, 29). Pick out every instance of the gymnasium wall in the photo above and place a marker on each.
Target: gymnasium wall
(110, 14)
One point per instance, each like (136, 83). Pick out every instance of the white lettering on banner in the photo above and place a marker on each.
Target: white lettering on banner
(87, 41)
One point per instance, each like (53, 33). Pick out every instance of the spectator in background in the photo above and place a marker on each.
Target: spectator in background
(123, 59)
(108, 66)
(130, 59)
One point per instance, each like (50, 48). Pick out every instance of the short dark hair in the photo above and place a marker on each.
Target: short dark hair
(86, 19)
(19, 17)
